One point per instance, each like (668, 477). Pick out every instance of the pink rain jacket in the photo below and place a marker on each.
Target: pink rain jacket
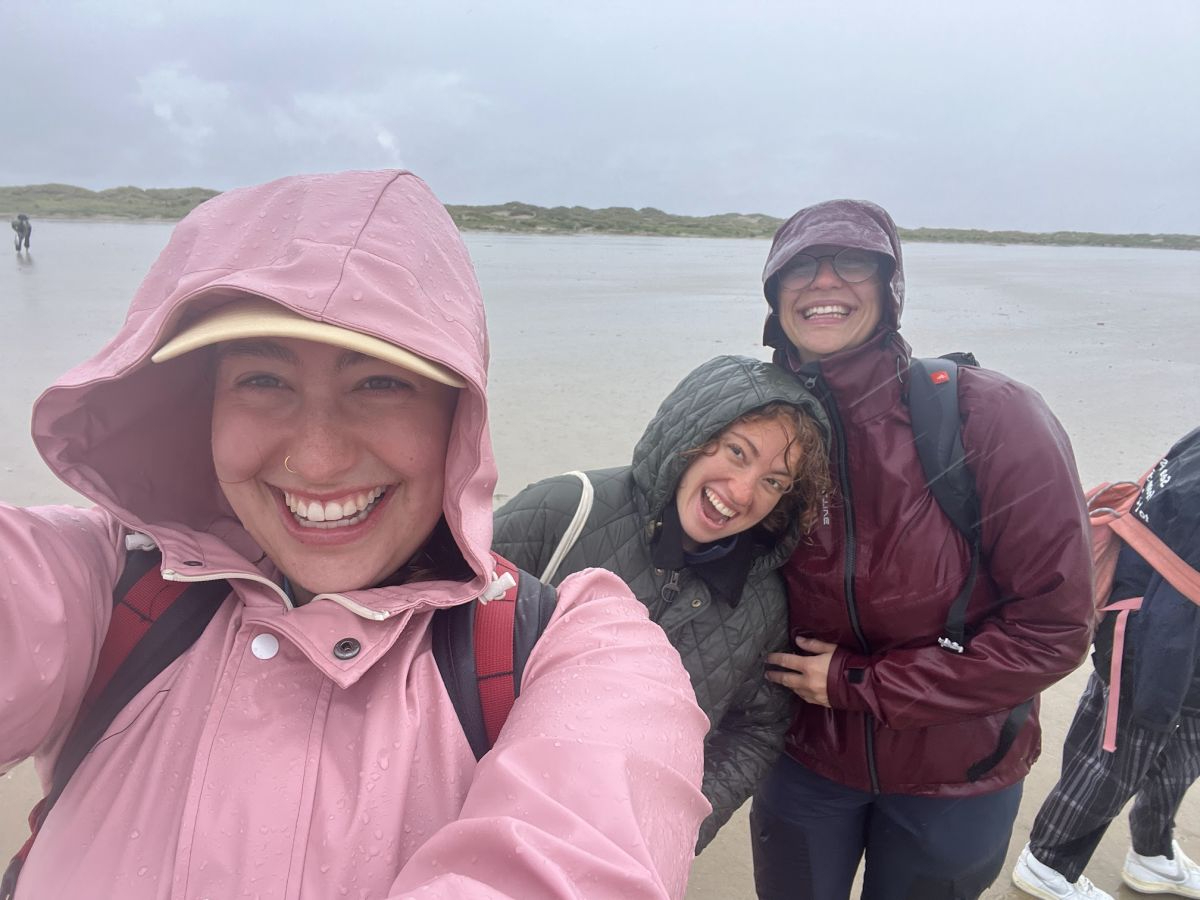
(302, 775)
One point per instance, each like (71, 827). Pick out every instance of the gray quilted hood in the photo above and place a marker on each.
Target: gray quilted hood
(699, 408)
(841, 223)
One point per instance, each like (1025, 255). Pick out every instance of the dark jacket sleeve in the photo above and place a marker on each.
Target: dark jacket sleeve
(743, 746)
(1165, 667)
(1037, 552)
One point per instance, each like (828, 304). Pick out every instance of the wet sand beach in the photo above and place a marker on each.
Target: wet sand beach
(589, 333)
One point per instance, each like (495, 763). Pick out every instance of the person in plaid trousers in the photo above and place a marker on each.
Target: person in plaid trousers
(1157, 754)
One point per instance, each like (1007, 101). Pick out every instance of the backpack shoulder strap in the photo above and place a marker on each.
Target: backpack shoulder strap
(153, 622)
(1113, 525)
(481, 649)
(937, 431)
(937, 434)
(1161, 558)
(574, 528)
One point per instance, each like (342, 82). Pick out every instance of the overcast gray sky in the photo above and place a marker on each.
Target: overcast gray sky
(1033, 115)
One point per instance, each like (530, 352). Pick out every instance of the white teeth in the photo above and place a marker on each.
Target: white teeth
(831, 310)
(347, 511)
(718, 505)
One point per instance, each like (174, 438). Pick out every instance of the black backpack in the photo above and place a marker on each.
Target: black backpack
(150, 629)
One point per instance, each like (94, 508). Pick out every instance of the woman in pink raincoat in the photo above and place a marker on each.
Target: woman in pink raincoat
(295, 407)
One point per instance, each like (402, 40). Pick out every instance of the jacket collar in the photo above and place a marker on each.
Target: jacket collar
(373, 618)
(866, 382)
(725, 576)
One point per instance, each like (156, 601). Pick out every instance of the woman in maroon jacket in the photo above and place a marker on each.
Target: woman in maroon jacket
(903, 749)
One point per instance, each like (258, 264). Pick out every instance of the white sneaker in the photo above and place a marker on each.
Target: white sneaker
(1038, 879)
(1159, 875)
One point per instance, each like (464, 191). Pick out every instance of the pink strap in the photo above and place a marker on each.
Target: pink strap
(1174, 570)
(1113, 504)
(1123, 608)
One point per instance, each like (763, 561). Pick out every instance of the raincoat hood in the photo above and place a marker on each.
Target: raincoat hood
(702, 405)
(373, 252)
(840, 223)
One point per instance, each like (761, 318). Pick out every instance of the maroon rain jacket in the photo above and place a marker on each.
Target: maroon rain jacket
(880, 571)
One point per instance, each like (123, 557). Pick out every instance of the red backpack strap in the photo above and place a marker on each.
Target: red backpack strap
(494, 626)
(139, 598)
(481, 649)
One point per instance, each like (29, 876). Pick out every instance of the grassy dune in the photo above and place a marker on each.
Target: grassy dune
(44, 201)
(64, 201)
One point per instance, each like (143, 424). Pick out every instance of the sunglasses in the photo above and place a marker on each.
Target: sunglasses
(851, 265)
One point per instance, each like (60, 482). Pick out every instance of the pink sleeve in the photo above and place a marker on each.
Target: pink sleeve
(593, 788)
(60, 564)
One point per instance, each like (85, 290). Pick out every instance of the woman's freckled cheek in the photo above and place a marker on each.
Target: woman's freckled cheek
(239, 451)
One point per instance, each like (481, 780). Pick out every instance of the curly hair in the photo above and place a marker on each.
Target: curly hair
(807, 459)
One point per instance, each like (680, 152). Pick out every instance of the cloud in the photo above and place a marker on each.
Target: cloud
(1024, 114)
(190, 107)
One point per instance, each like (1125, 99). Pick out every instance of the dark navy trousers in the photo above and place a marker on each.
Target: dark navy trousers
(809, 834)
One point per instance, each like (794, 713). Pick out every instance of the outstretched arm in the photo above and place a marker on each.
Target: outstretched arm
(60, 564)
(592, 789)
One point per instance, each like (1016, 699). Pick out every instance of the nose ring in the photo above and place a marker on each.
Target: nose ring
(286, 466)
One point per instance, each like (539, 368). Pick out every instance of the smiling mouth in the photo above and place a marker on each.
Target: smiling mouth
(827, 309)
(341, 513)
(723, 512)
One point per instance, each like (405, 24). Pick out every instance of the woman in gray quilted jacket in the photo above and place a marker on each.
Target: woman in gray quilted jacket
(728, 476)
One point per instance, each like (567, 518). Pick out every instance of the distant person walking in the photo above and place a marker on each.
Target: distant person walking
(23, 228)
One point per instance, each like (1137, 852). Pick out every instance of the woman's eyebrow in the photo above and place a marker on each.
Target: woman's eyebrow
(745, 440)
(263, 348)
(353, 358)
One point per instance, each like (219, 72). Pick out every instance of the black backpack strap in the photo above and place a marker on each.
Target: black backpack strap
(961, 358)
(937, 430)
(1017, 716)
(455, 651)
(937, 434)
(535, 606)
(170, 633)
